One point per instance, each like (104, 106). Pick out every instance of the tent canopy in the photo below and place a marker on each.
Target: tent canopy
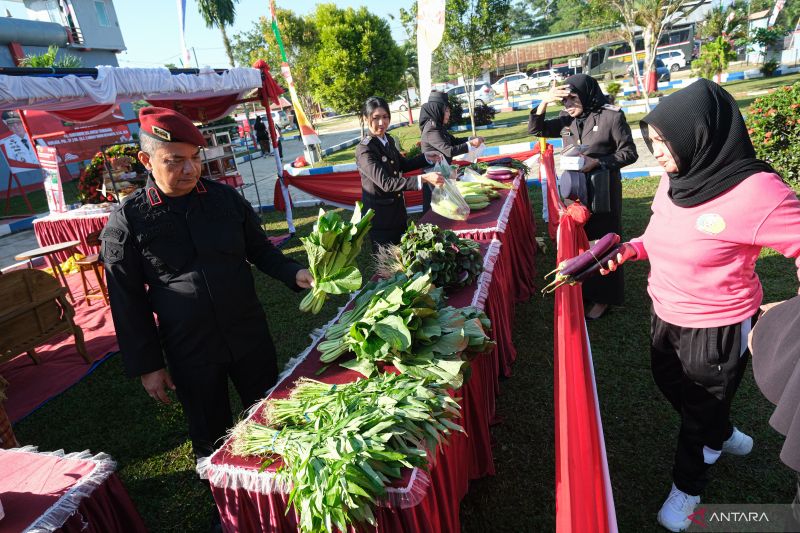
(84, 95)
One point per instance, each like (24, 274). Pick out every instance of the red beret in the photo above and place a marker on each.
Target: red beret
(169, 126)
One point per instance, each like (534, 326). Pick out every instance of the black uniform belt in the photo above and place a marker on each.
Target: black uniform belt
(388, 198)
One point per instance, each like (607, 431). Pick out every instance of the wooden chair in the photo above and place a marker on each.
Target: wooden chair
(34, 310)
(92, 262)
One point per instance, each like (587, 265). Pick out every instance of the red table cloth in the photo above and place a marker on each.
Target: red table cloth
(508, 219)
(250, 500)
(76, 492)
(70, 226)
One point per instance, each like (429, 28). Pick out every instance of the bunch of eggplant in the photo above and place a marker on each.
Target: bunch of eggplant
(585, 265)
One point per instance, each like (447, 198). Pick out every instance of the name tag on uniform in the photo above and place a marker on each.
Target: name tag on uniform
(594, 129)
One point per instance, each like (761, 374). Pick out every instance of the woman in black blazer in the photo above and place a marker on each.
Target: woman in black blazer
(590, 120)
(382, 182)
(433, 119)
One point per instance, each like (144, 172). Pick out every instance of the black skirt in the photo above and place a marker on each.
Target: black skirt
(607, 289)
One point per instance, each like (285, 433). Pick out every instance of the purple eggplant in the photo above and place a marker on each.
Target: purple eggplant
(595, 268)
(585, 264)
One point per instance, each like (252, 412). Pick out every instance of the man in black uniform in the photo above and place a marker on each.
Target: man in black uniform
(182, 248)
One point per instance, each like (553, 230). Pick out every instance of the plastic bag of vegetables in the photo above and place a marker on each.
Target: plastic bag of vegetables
(448, 202)
(332, 248)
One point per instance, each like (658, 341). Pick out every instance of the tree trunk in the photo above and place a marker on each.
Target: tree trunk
(637, 76)
(471, 102)
(651, 80)
(227, 44)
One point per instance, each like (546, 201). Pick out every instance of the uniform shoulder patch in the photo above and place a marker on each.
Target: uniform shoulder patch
(612, 107)
(112, 240)
(365, 141)
(114, 234)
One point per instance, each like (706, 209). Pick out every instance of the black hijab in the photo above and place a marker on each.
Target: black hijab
(706, 134)
(588, 91)
(433, 110)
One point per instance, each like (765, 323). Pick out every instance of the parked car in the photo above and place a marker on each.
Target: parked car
(661, 70)
(545, 78)
(673, 59)
(566, 72)
(401, 104)
(517, 82)
(280, 118)
(483, 95)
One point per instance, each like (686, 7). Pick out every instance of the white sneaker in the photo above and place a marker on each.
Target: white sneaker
(738, 444)
(674, 514)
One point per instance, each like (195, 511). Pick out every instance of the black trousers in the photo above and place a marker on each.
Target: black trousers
(202, 389)
(698, 370)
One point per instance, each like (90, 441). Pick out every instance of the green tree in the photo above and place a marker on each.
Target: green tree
(219, 14)
(531, 18)
(714, 58)
(766, 37)
(475, 33)
(729, 21)
(50, 59)
(652, 16)
(251, 45)
(300, 39)
(357, 58)
(527, 19)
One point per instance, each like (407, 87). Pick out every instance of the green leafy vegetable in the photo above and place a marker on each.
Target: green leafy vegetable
(341, 445)
(450, 260)
(401, 321)
(332, 248)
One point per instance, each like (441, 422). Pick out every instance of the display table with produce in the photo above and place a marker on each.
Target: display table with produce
(73, 225)
(250, 499)
(508, 219)
(63, 492)
(396, 450)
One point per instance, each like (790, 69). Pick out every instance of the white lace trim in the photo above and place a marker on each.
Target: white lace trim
(485, 279)
(67, 505)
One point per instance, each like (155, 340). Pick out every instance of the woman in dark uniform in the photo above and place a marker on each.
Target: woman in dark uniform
(588, 119)
(433, 119)
(382, 182)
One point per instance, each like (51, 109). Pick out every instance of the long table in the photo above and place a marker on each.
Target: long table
(57, 492)
(73, 225)
(251, 499)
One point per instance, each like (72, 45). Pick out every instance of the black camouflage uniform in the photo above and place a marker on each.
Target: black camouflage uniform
(382, 185)
(188, 260)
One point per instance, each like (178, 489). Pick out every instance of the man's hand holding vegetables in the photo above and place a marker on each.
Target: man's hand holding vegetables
(304, 279)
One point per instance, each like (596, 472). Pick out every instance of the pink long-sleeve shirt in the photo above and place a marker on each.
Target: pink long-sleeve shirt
(702, 258)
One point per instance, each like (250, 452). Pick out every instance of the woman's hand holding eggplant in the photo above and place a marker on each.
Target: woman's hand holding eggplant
(626, 253)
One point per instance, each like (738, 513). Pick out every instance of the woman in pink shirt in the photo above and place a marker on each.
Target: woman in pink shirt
(715, 208)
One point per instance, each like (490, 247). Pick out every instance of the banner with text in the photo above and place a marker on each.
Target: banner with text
(48, 157)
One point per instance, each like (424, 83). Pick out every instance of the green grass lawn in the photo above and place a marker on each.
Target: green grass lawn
(111, 413)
